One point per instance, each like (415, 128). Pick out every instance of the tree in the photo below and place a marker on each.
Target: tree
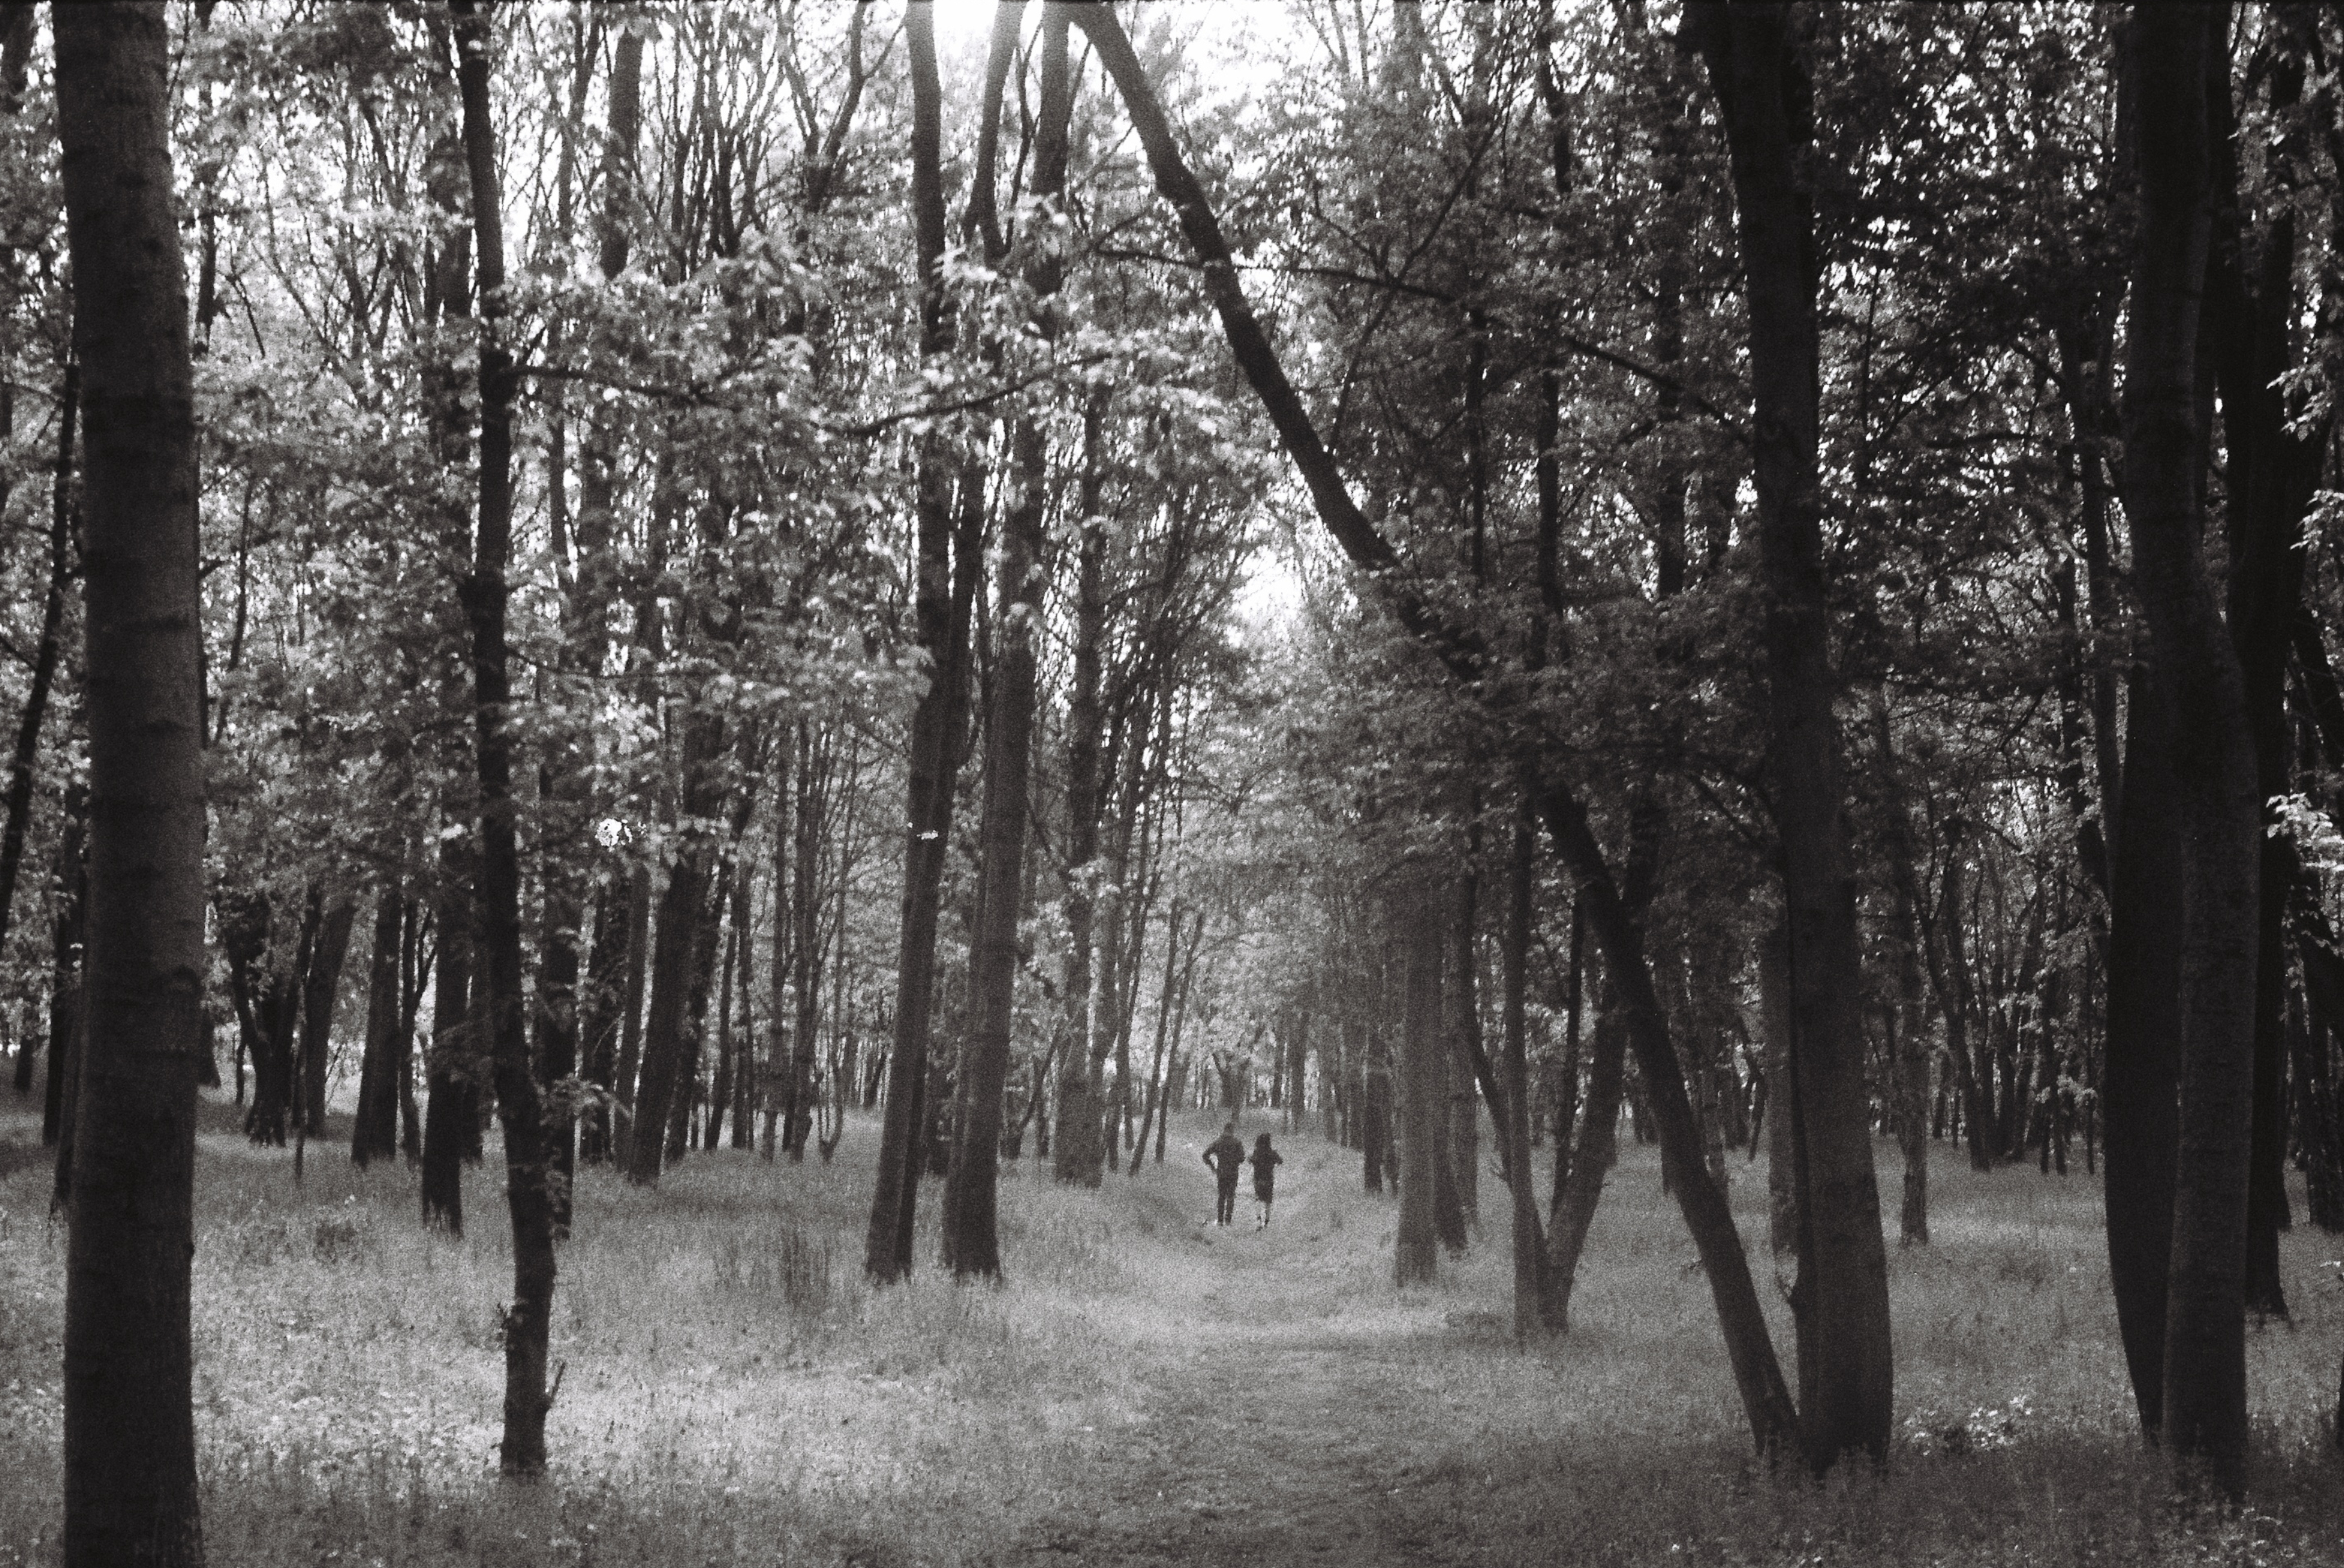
(529, 1196)
(1841, 1300)
(130, 1437)
(2178, 57)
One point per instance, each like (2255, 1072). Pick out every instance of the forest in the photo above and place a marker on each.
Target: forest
(695, 688)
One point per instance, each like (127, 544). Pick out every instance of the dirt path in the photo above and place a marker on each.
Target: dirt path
(1288, 1415)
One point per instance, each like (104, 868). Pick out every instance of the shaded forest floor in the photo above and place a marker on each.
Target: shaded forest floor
(1145, 1388)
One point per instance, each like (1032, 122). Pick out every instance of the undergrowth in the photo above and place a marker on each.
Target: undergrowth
(733, 1390)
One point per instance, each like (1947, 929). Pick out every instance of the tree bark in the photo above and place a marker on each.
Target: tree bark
(129, 1422)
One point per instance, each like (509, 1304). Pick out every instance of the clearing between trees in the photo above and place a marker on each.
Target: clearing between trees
(1142, 1388)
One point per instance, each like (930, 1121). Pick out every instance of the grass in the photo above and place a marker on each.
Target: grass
(1143, 1388)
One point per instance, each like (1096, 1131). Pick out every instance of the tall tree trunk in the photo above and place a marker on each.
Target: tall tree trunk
(946, 581)
(1908, 1058)
(1534, 1305)
(2270, 477)
(1077, 1157)
(1841, 1300)
(374, 1131)
(1417, 917)
(320, 983)
(666, 1050)
(1463, 1031)
(598, 1014)
(51, 647)
(529, 1185)
(633, 991)
(130, 1419)
(2140, 1076)
(971, 1242)
(448, 1061)
(2178, 58)
(67, 950)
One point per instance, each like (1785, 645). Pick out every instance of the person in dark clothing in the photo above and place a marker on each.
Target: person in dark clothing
(1225, 1154)
(1265, 1161)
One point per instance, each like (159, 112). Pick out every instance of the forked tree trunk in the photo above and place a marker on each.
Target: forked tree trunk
(129, 1420)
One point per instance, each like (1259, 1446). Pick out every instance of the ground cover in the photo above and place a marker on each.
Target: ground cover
(1143, 1388)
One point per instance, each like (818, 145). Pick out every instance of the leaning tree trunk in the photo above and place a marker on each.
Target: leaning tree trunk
(2177, 55)
(1757, 1372)
(529, 1196)
(130, 1419)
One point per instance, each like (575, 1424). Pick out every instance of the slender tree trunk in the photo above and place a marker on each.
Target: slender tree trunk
(971, 1242)
(1077, 1158)
(1461, 994)
(68, 934)
(320, 983)
(528, 1176)
(633, 995)
(129, 1420)
(598, 1014)
(666, 1050)
(1417, 917)
(450, 1059)
(374, 1131)
(940, 715)
(1908, 1058)
(51, 647)
(1534, 1304)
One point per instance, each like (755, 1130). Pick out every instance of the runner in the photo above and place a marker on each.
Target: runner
(1225, 1154)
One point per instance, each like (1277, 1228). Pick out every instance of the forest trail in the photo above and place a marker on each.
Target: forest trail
(1290, 1402)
